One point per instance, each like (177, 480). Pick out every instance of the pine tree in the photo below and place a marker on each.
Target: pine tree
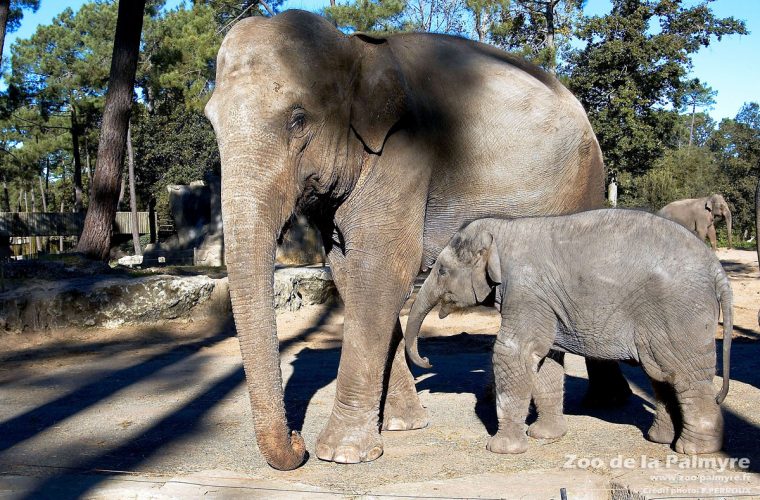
(95, 241)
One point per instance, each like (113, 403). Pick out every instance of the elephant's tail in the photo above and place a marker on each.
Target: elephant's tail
(725, 297)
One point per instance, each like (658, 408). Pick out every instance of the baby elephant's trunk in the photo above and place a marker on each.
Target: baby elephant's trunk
(426, 300)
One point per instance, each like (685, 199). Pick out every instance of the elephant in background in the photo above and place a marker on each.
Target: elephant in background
(698, 215)
(387, 145)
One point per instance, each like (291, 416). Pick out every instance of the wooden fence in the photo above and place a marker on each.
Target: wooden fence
(68, 223)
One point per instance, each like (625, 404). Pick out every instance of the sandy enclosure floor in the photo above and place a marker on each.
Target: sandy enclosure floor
(167, 404)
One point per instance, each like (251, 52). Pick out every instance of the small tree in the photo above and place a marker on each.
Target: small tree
(697, 95)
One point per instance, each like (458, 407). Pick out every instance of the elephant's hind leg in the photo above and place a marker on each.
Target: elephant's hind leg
(666, 411)
(548, 395)
(402, 410)
(702, 430)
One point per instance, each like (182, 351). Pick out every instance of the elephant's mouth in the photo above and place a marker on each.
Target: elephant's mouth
(447, 308)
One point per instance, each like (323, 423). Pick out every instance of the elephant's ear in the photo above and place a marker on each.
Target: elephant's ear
(379, 99)
(488, 267)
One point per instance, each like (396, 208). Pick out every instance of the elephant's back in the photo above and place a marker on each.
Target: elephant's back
(505, 139)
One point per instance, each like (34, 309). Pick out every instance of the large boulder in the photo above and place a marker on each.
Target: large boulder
(113, 300)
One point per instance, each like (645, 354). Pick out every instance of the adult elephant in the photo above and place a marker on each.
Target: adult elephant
(388, 145)
(699, 214)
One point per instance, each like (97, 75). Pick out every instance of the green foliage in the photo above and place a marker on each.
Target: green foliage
(680, 173)
(537, 29)
(736, 146)
(629, 68)
(178, 60)
(189, 155)
(632, 67)
(367, 16)
(16, 13)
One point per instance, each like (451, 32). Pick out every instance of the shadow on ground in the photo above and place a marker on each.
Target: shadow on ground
(461, 364)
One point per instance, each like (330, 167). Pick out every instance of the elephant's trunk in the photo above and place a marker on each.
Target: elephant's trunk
(427, 298)
(255, 206)
(727, 215)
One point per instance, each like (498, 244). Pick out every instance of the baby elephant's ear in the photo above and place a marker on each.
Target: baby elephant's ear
(488, 267)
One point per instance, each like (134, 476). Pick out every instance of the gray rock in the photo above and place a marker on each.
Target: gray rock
(106, 301)
(111, 301)
(295, 287)
(131, 260)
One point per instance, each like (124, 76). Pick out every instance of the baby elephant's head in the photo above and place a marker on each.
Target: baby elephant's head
(463, 275)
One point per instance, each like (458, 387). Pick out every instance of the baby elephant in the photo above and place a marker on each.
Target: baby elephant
(607, 284)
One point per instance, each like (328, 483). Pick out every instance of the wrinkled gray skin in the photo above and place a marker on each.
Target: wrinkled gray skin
(387, 145)
(610, 284)
(698, 216)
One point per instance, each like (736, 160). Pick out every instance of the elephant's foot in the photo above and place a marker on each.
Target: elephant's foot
(662, 430)
(344, 443)
(548, 427)
(404, 415)
(511, 440)
(689, 446)
(706, 437)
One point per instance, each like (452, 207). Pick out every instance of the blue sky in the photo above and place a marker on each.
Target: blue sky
(731, 66)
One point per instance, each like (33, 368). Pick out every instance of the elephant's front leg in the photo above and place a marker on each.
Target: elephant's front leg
(373, 282)
(518, 350)
(402, 410)
(712, 237)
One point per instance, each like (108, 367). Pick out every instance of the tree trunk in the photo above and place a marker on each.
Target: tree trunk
(132, 194)
(5, 7)
(43, 197)
(37, 238)
(77, 158)
(691, 129)
(122, 191)
(6, 197)
(550, 34)
(98, 225)
(60, 237)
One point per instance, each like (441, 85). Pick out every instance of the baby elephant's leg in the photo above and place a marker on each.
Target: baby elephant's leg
(548, 395)
(515, 361)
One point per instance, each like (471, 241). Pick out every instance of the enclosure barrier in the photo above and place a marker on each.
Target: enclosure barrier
(20, 224)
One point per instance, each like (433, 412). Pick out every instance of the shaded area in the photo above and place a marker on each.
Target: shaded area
(34, 421)
(182, 422)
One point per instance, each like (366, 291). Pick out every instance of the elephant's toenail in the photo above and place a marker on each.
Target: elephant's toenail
(324, 452)
(374, 453)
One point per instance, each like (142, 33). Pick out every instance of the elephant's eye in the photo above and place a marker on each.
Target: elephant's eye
(441, 271)
(297, 120)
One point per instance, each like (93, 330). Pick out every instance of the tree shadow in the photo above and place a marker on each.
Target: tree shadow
(181, 422)
(34, 421)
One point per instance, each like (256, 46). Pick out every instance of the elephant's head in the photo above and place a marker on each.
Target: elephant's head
(297, 110)
(718, 207)
(463, 275)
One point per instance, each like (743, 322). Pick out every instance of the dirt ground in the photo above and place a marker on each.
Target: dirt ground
(161, 412)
